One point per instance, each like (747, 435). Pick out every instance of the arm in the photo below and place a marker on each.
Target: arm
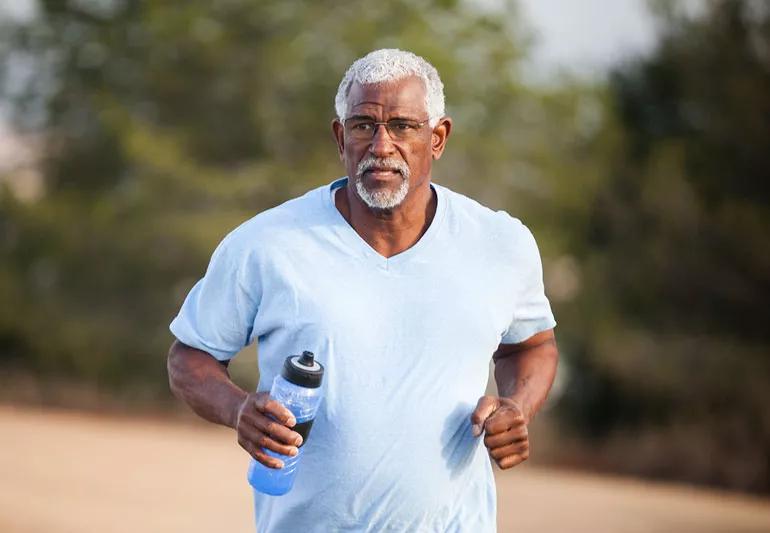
(524, 373)
(203, 382)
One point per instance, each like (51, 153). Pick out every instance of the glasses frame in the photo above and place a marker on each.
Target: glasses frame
(375, 123)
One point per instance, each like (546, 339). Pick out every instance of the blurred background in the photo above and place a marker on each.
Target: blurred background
(632, 137)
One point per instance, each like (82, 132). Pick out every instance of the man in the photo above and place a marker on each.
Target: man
(403, 289)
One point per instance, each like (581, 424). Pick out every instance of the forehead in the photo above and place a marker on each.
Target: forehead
(406, 95)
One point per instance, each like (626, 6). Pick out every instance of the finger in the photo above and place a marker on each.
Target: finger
(511, 461)
(259, 454)
(485, 407)
(262, 440)
(277, 431)
(515, 434)
(504, 419)
(268, 443)
(516, 448)
(268, 406)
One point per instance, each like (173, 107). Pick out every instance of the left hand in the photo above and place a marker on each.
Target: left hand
(505, 427)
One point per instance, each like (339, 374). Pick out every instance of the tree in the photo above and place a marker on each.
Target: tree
(166, 125)
(677, 268)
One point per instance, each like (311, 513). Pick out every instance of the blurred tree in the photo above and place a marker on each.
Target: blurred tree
(167, 124)
(674, 342)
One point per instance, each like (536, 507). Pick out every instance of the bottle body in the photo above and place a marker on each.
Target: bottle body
(303, 403)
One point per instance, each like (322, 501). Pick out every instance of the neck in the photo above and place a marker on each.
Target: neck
(390, 231)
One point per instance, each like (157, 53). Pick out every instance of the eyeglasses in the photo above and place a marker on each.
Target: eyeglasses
(399, 129)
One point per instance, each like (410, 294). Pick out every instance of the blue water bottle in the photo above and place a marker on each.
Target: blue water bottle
(298, 388)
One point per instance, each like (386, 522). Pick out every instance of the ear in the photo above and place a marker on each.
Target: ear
(439, 137)
(338, 131)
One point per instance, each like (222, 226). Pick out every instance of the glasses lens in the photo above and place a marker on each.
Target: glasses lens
(398, 128)
(360, 129)
(402, 128)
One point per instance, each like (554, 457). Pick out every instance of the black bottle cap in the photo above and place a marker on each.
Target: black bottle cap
(303, 370)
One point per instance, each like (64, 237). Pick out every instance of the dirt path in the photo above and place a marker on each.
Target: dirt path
(66, 472)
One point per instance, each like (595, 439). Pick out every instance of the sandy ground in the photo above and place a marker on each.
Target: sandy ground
(68, 472)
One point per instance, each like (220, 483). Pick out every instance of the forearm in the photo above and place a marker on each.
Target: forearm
(204, 384)
(525, 372)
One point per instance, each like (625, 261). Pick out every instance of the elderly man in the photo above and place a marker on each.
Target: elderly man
(404, 290)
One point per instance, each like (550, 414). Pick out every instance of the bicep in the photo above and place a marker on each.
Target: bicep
(183, 355)
(541, 339)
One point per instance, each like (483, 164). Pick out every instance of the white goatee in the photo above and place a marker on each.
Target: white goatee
(382, 198)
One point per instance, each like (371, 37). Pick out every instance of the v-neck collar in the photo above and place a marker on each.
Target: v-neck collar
(357, 243)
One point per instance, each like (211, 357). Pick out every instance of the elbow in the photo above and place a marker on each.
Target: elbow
(172, 368)
(552, 353)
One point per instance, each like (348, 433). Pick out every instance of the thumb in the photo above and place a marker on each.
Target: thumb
(485, 407)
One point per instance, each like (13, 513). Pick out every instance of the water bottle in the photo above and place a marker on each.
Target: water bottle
(298, 388)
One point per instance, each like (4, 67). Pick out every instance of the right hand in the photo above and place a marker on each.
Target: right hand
(263, 423)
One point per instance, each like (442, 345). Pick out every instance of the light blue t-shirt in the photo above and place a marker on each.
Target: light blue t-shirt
(406, 342)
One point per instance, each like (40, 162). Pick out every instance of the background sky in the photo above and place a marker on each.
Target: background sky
(586, 35)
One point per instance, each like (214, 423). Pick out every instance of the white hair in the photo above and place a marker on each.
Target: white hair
(391, 64)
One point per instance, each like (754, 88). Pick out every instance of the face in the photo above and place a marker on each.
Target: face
(385, 170)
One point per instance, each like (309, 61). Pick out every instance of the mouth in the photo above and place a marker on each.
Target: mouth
(382, 173)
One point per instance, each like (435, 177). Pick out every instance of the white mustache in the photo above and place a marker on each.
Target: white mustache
(387, 163)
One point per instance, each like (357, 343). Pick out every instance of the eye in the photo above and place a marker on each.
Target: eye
(402, 125)
(363, 126)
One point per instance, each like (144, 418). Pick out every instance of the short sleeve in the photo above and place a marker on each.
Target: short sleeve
(218, 314)
(532, 310)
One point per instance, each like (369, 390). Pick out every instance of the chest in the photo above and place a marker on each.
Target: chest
(455, 294)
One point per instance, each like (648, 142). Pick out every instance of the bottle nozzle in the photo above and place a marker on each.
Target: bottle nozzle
(307, 359)
(303, 370)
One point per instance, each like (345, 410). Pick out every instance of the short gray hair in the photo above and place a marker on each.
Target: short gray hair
(390, 64)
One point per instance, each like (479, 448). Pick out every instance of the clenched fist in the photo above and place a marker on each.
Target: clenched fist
(505, 430)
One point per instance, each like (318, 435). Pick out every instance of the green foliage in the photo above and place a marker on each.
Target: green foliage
(167, 124)
(677, 253)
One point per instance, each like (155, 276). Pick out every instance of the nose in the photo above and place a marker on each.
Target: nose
(382, 144)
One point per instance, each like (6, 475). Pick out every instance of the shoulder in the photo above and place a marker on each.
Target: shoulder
(275, 225)
(468, 216)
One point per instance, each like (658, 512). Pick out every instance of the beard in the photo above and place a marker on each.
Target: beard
(385, 198)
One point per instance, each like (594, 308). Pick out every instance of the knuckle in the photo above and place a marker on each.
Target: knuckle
(261, 401)
(484, 400)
